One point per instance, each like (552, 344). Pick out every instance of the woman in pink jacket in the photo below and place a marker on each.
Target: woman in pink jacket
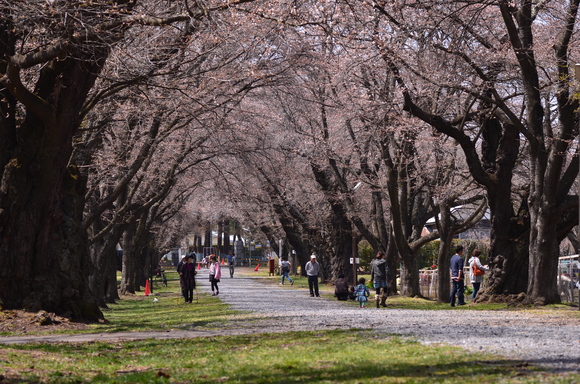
(215, 274)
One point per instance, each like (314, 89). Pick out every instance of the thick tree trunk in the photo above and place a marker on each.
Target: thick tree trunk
(443, 259)
(544, 251)
(410, 275)
(344, 246)
(44, 257)
(509, 231)
(103, 262)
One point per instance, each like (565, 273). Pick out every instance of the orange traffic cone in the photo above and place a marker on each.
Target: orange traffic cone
(257, 266)
(147, 289)
(198, 266)
(223, 261)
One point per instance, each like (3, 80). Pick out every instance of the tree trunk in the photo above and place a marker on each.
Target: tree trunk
(508, 232)
(220, 234)
(410, 274)
(443, 259)
(344, 247)
(544, 251)
(103, 254)
(207, 241)
(227, 244)
(393, 263)
(44, 255)
(129, 274)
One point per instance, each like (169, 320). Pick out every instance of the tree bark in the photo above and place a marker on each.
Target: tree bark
(129, 274)
(43, 249)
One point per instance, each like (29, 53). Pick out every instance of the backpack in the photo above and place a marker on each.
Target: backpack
(285, 267)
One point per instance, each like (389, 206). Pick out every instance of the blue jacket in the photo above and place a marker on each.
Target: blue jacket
(456, 265)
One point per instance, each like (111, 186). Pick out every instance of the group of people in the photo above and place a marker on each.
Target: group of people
(187, 272)
(381, 278)
(457, 275)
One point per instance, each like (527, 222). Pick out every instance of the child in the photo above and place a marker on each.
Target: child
(362, 292)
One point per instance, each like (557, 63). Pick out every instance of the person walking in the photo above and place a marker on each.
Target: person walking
(381, 278)
(341, 288)
(456, 267)
(231, 263)
(362, 292)
(285, 269)
(215, 274)
(475, 274)
(312, 269)
(188, 278)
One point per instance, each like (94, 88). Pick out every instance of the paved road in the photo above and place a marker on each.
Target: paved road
(546, 340)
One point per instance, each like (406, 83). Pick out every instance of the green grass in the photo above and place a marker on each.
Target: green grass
(355, 356)
(142, 313)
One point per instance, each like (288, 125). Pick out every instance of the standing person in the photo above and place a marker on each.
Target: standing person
(456, 267)
(312, 269)
(188, 279)
(285, 269)
(476, 280)
(231, 262)
(341, 288)
(179, 272)
(362, 292)
(215, 274)
(381, 278)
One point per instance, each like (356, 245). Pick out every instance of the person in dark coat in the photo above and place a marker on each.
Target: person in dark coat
(188, 273)
(341, 288)
(381, 278)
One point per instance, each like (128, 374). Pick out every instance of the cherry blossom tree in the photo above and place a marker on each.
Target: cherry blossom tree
(52, 56)
(495, 77)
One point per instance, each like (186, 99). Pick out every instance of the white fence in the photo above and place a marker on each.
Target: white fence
(568, 274)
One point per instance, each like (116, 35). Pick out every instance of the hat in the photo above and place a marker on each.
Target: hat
(313, 256)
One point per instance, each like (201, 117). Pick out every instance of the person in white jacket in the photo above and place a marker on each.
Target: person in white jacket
(476, 279)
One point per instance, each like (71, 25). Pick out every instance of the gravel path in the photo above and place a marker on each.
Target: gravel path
(551, 341)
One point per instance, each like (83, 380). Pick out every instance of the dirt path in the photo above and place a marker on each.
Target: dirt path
(540, 339)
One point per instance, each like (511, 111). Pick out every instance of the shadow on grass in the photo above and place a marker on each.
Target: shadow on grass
(308, 357)
(322, 371)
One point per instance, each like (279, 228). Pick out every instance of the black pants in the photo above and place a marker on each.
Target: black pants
(214, 283)
(188, 295)
(458, 288)
(313, 285)
(188, 285)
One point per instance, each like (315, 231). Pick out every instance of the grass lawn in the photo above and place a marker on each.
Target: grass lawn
(354, 356)
(338, 356)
